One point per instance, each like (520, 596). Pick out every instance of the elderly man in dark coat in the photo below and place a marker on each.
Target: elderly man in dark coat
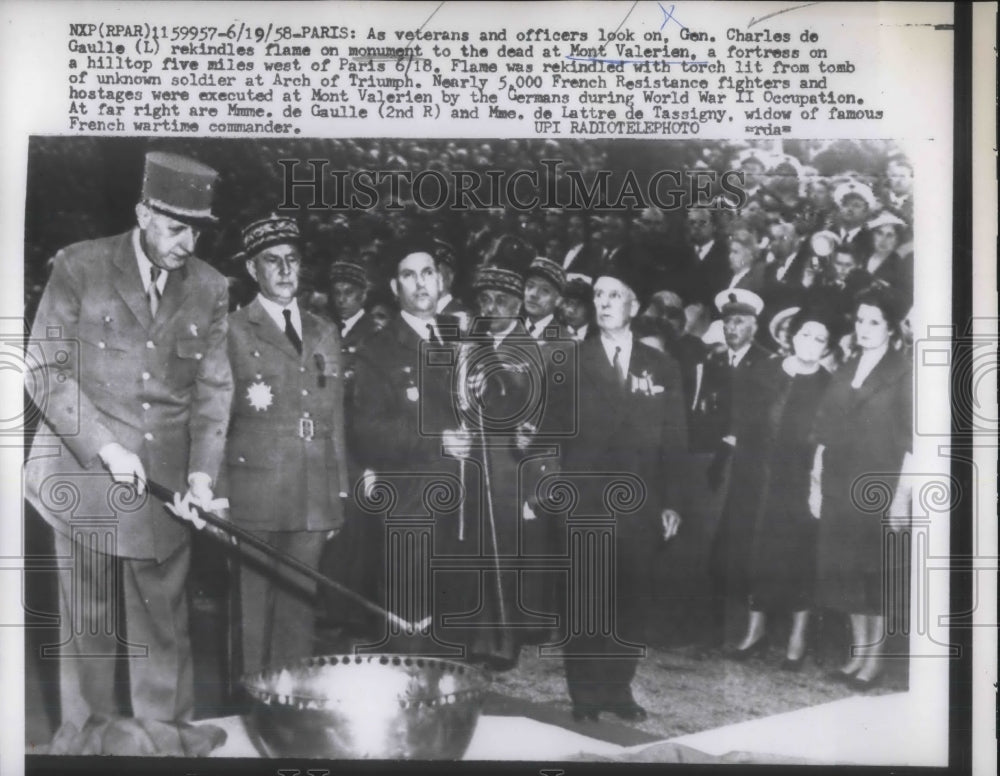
(146, 394)
(286, 470)
(631, 427)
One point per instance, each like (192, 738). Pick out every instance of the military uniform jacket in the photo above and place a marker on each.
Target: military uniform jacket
(286, 453)
(106, 371)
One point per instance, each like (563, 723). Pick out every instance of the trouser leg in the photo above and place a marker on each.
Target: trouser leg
(156, 615)
(278, 604)
(87, 621)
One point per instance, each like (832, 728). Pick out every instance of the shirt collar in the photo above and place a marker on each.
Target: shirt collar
(499, 338)
(347, 325)
(275, 311)
(624, 341)
(145, 265)
(704, 248)
(739, 276)
(538, 328)
(738, 353)
(419, 325)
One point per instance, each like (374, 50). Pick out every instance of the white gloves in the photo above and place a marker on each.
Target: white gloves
(671, 523)
(124, 466)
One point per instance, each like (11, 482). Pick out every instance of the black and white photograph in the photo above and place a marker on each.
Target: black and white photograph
(598, 441)
(608, 463)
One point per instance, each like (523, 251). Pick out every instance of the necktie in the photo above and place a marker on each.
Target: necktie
(293, 336)
(732, 359)
(153, 290)
(433, 335)
(618, 365)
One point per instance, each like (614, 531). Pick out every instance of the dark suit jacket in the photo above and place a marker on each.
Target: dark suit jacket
(402, 403)
(105, 371)
(862, 244)
(787, 291)
(897, 272)
(699, 280)
(638, 429)
(277, 479)
(711, 417)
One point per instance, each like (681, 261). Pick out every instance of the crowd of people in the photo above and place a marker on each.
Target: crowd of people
(456, 414)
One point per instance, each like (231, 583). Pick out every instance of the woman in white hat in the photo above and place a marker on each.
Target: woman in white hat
(884, 261)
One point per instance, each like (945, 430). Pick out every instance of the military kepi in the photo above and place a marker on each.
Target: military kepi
(265, 232)
(348, 272)
(179, 187)
(495, 277)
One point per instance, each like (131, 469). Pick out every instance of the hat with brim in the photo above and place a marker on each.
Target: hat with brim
(824, 243)
(627, 273)
(578, 289)
(885, 218)
(854, 189)
(738, 301)
(270, 231)
(779, 320)
(179, 187)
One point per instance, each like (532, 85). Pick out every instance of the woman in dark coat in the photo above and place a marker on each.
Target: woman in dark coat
(773, 419)
(884, 263)
(863, 431)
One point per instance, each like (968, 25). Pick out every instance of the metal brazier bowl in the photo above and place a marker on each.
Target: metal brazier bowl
(365, 706)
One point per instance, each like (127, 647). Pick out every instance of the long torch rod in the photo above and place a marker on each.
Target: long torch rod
(166, 495)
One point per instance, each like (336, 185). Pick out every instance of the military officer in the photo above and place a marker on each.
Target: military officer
(713, 411)
(511, 405)
(855, 203)
(543, 286)
(349, 284)
(286, 471)
(148, 396)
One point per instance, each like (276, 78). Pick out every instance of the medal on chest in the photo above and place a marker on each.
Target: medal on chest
(259, 395)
